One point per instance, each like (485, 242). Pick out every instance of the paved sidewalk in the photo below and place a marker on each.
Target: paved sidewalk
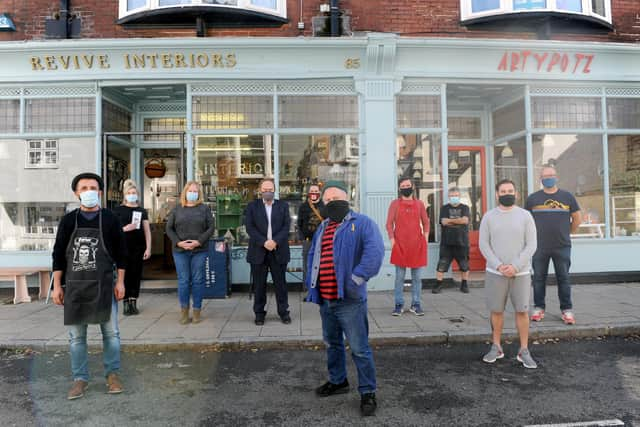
(607, 309)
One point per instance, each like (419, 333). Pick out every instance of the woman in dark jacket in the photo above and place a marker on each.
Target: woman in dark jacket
(137, 234)
(189, 226)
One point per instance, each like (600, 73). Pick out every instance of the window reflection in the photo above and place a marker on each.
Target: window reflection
(510, 160)
(624, 181)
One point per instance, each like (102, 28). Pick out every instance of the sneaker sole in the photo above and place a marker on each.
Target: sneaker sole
(339, 391)
(396, 314)
(417, 314)
(537, 319)
(493, 361)
(519, 359)
(78, 396)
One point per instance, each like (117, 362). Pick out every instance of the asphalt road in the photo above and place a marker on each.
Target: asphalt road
(585, 380)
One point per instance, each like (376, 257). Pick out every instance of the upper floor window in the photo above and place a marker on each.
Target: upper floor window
(269, 7)
(472, 9)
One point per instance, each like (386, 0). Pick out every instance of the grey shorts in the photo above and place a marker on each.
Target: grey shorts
(498, 288)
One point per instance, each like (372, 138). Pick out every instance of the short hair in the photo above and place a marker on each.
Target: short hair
(183, 195)
(505, 181)
(263, 180)
(548, 166)
(454, 190)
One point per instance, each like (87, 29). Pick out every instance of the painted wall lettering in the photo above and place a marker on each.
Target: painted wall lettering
(546, 62)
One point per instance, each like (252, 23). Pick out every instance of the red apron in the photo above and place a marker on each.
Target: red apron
(410, 248)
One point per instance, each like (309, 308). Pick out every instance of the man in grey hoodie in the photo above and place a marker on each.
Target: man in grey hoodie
(508, 241)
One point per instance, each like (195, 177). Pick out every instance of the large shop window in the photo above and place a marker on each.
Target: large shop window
(624, 184)
(33, 200)
(578, 160)
(60, 115)
(471, 9)
(419, 158)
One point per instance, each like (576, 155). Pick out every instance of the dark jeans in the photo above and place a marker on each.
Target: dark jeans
(259, 276)
(348, 318)
(561, 262)
(133, 273)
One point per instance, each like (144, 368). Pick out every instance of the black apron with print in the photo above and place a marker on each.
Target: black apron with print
(89, 277)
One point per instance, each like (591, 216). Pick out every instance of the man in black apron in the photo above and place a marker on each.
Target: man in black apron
(89, 247)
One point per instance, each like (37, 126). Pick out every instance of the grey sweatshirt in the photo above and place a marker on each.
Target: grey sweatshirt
(508, 237)
(190, 223)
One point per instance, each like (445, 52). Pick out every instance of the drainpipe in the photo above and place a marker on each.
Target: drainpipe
(335, 22)
(64, 17)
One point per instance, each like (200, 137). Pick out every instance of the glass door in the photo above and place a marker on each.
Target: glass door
(467, 172)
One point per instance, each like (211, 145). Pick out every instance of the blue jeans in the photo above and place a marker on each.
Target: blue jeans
(191, 280)
(561, 262)
(416, 285)
(348, 318)
(110, 346)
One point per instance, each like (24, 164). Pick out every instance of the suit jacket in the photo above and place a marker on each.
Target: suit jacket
(256, 223)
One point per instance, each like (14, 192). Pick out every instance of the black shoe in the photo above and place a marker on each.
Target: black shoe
(134, 307)
(286, 319)
(437, 289)
(259, 321)
(127, 308)
(368, 404)
(464, 288)
(329, 389)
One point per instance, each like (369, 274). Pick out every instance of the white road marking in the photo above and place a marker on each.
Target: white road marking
(599, 423)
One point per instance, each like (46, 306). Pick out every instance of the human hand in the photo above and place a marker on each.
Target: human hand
(445, 221)
(393, 242)
(147, 254)
(119, 291)
(129, 227)
(509, 270)
(57, 295)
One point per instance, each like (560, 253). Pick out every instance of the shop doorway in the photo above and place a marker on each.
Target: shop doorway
(467, 171)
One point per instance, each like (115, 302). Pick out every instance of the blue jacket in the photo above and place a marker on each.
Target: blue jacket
(358, 251)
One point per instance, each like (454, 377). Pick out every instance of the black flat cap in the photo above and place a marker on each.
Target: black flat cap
(87, 175)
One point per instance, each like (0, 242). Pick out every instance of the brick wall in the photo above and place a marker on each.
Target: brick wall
(419, 18)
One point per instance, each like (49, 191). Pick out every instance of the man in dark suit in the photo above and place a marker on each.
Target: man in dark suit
(267, 222)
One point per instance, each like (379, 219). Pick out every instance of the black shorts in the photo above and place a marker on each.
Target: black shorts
(448, 253)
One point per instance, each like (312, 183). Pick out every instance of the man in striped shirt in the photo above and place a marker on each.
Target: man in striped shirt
(347, 250)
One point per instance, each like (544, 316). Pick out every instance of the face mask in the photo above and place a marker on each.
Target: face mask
(314, 197)
(337, 210)
(549, 182)
(267, 196)
(192, 196)
(131, 198)
(89, 198)
(454, 200)
(406, 192)
(507, 199)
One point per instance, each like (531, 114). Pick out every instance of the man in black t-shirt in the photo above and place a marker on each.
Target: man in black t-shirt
(557, 215)
(454, 242)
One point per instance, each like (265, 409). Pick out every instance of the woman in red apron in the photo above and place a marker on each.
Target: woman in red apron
(408, 229)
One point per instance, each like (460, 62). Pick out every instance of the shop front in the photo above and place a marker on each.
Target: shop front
(366, 110)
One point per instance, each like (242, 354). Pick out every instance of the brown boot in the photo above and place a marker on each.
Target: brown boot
(77, 389)
(196, 316)
(114, 386)
(184, 316)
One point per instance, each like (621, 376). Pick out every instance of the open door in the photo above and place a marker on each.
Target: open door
(467, 167)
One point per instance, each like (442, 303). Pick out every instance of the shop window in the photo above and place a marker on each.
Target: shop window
(419, 158)
(471, 9)
(9, 115)
(510, 162)
(566, 112)
(624, 185)
(418, 111)
(164, 124)
(578, 161)
(316, 158)
(464, 127)
(623, 113)
(114, 118)
(60, 115)
(318, 112)
(232, 112)
(30, 226)
(508, 119)
(42, 153)
(230, 168)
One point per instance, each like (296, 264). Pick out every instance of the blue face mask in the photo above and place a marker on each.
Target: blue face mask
(192, 196)
(455, 200)
(549, 182)
(89, 198)
(131, 198)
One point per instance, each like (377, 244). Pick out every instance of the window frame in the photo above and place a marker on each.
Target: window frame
(43, 150)
(152, 5)
(506, 8)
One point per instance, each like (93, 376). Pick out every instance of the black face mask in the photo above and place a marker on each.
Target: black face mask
(507, 199)
(406, 192)
(337, 210)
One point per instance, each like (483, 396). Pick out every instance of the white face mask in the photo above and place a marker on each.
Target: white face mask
(89, 198)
